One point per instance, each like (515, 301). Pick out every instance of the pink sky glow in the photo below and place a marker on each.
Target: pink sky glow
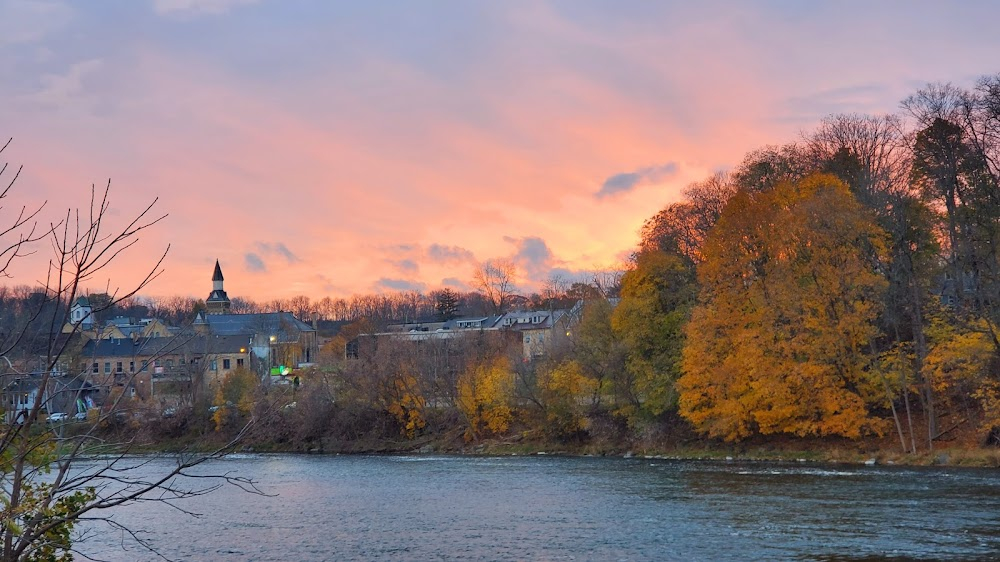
(330, 149)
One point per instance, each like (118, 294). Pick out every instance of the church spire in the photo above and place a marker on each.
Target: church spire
(217, 301)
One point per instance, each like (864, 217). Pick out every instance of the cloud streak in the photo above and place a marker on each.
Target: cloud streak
(627, 181)
(390, 284)
(449, 254)
(196, 7)
(254, 263)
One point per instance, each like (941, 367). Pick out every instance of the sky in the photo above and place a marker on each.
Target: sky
(335, 148)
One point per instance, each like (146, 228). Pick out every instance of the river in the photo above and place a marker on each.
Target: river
(561, 508)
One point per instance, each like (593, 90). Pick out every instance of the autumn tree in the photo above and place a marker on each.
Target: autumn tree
(565, 390)
(600, 354)
(681, 227)
(234, 398)
(485, 397)
(779, 341)
(656, 299)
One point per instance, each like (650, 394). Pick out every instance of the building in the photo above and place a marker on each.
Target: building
(138, 364)
(540, 330)
(19, 396)
(82, 314)
(278, 341)
(62, 393)
(277, 338)
(217, 301)
(537, 331)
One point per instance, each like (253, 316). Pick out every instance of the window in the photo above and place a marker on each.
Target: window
(170, 363)
(145, 364)
(156, 363)
(107, 367)
(96, 368)
(239, 362)
(214, 365)
(118, 367)
(131, 366)
(527, 339)
(541, 338)
(226, 364)
(181, 361)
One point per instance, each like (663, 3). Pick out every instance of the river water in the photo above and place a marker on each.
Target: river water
(555, 508)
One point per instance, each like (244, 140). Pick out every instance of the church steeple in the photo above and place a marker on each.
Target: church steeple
(217, 278)
(217, 301)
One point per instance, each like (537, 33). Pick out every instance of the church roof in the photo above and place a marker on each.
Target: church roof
(217, 276)
(217, 296)
(284, 325)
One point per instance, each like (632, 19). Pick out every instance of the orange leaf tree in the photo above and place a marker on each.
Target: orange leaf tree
(789, 294)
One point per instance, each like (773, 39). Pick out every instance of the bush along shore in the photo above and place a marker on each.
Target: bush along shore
(283, 421)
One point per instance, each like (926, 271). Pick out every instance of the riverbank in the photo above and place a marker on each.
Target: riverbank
(663, 439)
(782, 450)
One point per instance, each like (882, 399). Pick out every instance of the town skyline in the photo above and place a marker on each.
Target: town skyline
(363, 149)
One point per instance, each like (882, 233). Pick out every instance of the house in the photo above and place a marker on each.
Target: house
(72, 394)
(537, 331)
(540, 330)
(82, 314)
(138, 364)
(61, 393)
(19, 395)
(119, 327)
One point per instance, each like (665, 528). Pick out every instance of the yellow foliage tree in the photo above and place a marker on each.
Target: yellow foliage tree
(779, 340)
(957, 365)
(564, 389)
(235, 396)
(485, 397)
(404, 401)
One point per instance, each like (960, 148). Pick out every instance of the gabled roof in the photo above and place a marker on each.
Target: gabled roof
(121, 321)
(149, 347)
(82, 301)
(283, 325)
(24, 384)
(547, 319)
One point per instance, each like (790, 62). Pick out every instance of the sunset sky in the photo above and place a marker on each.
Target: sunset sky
(333, 148)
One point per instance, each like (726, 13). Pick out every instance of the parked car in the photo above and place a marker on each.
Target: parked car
(80, 416)
(57, 417)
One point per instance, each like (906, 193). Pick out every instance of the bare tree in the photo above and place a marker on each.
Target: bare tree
(495, 279)
(44, 490)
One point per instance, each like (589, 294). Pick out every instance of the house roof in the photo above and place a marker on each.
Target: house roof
(26, 384)
(284, 325)
(82, 301)
(546, 319)
(148, 347)
(217, 275)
